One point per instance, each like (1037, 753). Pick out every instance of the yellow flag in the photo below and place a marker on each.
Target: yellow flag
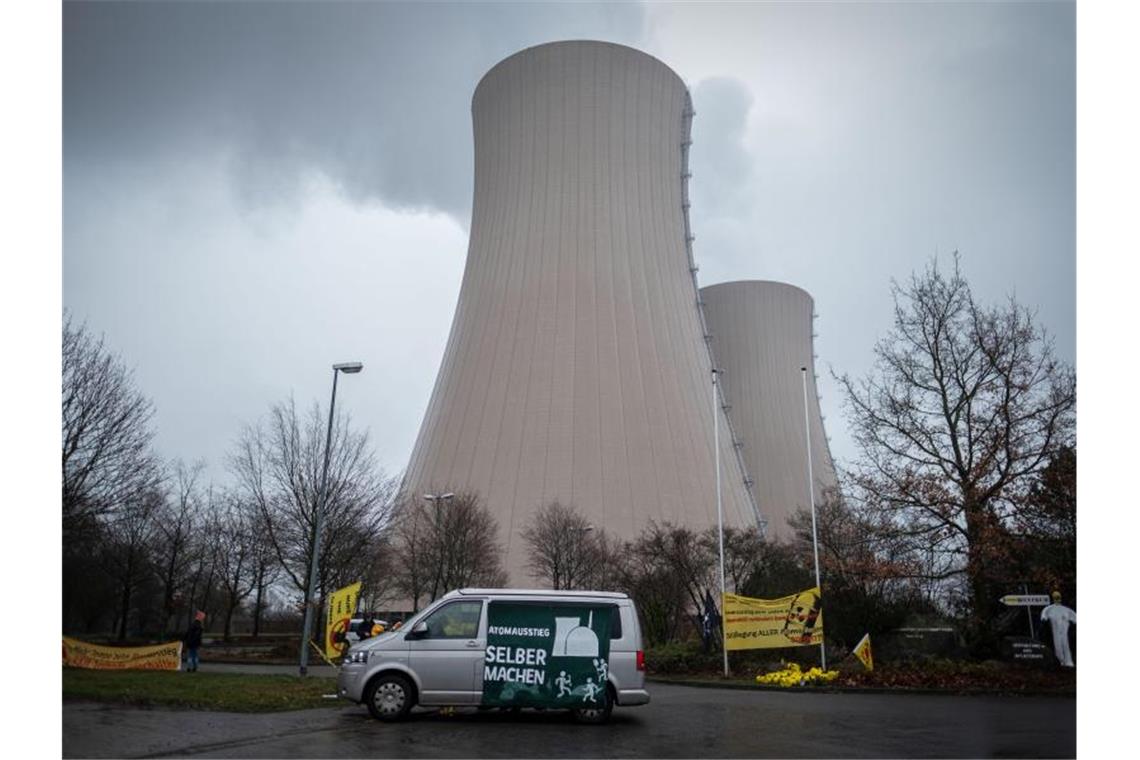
(863, 652)
(790, 621)
(342, 605)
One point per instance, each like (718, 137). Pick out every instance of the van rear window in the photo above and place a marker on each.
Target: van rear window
(615, 623)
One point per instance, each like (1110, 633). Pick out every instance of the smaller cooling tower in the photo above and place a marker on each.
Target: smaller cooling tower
(762, 336)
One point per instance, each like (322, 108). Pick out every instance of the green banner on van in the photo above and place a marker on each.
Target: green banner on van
(547, 655)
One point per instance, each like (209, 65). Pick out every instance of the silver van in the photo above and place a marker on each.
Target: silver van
(509, 648)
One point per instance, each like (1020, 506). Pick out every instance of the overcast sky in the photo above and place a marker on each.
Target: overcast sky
(255, 191)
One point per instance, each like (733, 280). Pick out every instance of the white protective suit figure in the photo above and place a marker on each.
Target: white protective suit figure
(1058, 616)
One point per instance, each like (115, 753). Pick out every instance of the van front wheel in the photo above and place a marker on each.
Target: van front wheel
(389, 698)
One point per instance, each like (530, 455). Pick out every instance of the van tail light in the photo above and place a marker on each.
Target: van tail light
(640, 659)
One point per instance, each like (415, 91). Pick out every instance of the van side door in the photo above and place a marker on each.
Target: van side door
(448, 654)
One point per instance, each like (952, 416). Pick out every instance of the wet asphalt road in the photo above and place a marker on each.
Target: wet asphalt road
(681, 721)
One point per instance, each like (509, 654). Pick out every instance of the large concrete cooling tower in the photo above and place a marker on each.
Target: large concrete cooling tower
(577, 367)
(762, 336)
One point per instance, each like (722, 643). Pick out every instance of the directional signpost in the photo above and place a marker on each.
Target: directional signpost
(1026, 649)
(1025, 600)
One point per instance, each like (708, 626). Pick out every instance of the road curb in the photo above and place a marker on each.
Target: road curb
(880, 690)
(274, 664)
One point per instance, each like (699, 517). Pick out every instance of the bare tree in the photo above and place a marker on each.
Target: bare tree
(278, 468)
(663, 588)
(562, 547)
(964, 406)
(237, 549)
(202, 584)
(452, 544)
(668, 570)
(175, 522)
(607, 571)
(743, 552)
(126, 551)
(266, 568)
(107, 461)
(377, 573)
(414, 573)
(695, 562)
(872, 573)
(467, 535)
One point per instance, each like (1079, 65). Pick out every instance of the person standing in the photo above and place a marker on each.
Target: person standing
(193, 640)
(365, 629)
(1059, 617)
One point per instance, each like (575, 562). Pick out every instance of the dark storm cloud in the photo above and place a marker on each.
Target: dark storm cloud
(239, 173)
(374, 95)
(883, 133)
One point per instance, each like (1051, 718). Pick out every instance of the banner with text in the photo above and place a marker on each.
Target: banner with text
(342, 606)
(790, 621)
(546, 655)
(80, 654)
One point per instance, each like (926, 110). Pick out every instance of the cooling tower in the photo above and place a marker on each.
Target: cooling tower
(577, 367)
(762, 336)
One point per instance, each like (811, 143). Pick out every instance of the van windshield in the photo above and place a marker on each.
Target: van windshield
(410, 622)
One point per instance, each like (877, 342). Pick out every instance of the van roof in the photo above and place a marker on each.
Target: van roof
(536, 592)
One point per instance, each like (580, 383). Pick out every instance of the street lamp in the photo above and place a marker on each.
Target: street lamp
(349, 368)
(719, 509)
(811, 498)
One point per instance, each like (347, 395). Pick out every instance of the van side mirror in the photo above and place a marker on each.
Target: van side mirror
(419, 631)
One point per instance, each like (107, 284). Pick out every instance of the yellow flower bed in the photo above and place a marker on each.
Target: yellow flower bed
(791, 675)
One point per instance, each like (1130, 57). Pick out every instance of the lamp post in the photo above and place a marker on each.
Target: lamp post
(437, 499)
(719, 512)
(811, 497)
(349, 368)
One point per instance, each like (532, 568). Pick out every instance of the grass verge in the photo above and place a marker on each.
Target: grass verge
(228, 692)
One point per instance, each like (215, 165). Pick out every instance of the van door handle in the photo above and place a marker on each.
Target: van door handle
(472, 643)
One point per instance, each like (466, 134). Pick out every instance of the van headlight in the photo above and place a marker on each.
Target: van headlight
(357, 657)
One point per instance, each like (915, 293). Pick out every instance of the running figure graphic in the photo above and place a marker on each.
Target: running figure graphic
(603, 669)
(592, 690)
(563, 682)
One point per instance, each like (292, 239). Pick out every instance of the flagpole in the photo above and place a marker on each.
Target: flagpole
(719, 517)
(811, 496)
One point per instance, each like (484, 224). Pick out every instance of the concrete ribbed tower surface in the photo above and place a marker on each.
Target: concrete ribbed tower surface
(762, 335)
(576, 368)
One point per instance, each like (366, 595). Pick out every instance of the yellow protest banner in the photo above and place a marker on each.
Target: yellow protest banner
(80, 654)
(342, 606)
(863, 652)
(790, 621)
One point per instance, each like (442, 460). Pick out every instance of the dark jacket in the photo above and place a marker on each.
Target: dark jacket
(193, 637)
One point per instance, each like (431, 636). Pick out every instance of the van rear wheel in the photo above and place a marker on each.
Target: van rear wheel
(596, 715)
(390, 698)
